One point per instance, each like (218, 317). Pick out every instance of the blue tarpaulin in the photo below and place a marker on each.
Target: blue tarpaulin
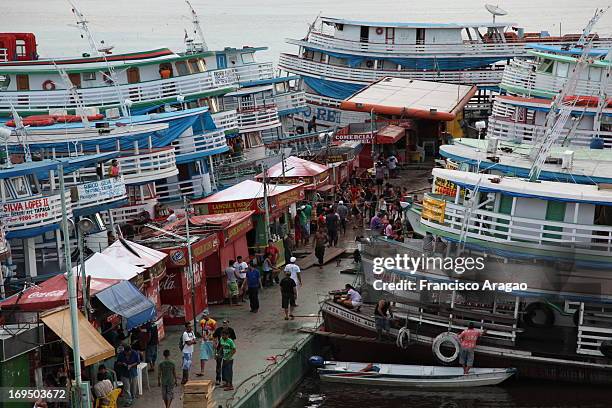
(125, 300)
(331, 89)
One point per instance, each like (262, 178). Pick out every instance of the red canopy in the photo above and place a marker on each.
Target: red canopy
(52, 293)
(390, 134)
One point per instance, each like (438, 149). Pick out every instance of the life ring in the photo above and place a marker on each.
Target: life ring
(48, 85)
(606, 348)
(446, 338)
(403, 338)
(532, 309)
(379, 30)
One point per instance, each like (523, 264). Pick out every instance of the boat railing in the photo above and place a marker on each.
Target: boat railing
(594, 327)
(254, 72)
(108, 96)
(509, 130)
(179, 189)
(503, 49)
(297, 65)
(555, 235)
(257, 120)
(203, 144)
(290, 101)
(226, 120)
(129, 212)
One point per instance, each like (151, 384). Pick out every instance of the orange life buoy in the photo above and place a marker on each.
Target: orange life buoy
(48, 85)
(379, 30)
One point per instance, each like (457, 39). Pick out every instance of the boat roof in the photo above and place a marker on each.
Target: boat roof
(596, 52)
(246, 190)
(401, 93)
(519, 187)
(41, 168)
(250, 90)
(567, 58)
(590, 166)
(458, 26)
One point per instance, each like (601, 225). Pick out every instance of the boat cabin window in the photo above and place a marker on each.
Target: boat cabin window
(23, 83)
(365, 34)
(212, 103)
(194, 66)
(253, 139)
(308, 54)
(546, 66)
(562, 69)
(75, 78)
(165, 70)
(5, 81)
(281, 87)
(133, 75)
(107, 77)
(603, 215)
(339, 27)
(89, 76)
(19, 187)
(420, 36)
(181, 68)
(20, 48)
(247, 58)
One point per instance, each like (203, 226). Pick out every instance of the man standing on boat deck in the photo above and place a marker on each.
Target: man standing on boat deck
(468, 339)
(381, 317)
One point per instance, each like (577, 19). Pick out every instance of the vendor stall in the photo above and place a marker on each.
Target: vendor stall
(249, 196)
(175, 286)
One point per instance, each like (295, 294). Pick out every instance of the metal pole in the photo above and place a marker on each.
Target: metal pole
(267, 210)
(80, 239)
(72, 292)
(190, 264)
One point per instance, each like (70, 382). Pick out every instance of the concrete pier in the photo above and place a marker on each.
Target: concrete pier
(270, 350)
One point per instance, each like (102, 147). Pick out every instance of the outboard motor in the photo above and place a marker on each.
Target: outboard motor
(316, 361)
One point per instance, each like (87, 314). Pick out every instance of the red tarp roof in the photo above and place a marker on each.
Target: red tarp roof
(295, 167)
(52, 293)
(390, 134)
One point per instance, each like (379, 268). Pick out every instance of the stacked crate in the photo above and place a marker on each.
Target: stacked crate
(199, 394)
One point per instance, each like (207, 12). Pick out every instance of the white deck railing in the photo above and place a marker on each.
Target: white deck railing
(127, 213)
(34, 212)
(290, 100)
(178, 189)
(106, 96)
(3, 55)
(297, 65)
(144, 166)
(466, 48)
(508, 130)
(200, 143)
(226, 120)
(527, 232)
(521, 78)
(255, 72)
(258, 119)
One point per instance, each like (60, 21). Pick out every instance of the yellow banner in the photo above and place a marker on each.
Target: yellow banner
(433, 210)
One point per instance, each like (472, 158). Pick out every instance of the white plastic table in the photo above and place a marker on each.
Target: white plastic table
(142, 367)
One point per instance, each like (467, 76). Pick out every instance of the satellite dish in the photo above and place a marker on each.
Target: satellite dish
(495, 10)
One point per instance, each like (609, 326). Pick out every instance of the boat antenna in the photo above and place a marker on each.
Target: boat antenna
(586, 32)
(72, 90)
(22, 134)
(197, 31)
(82, 25)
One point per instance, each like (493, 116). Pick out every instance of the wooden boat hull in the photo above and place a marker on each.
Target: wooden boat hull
(406, 376)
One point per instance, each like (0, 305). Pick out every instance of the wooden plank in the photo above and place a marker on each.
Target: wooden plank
(310, 260)
(196, 398)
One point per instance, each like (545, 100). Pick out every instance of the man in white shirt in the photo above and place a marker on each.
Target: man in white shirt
(187, 340)
(352, 300)
(392, 165)
(295, 272)
(241, 268)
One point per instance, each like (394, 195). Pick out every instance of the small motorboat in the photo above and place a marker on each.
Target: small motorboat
(410, 376)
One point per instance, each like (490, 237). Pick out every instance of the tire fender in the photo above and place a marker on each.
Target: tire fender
(446, 338)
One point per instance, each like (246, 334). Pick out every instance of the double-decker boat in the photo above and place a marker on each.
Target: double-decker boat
(338, 57)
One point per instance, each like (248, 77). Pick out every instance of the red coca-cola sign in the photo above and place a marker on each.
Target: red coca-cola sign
(175, 294)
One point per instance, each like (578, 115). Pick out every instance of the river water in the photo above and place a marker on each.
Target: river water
(147, 24)
(513, 394)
